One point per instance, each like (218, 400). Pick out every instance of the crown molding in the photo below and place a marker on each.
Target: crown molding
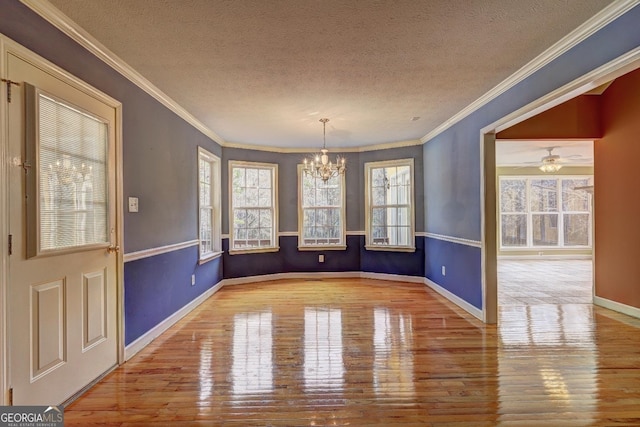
(358, 149)
(63, 23)
(584, 31)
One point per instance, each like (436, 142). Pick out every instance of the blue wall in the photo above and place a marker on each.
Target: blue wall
(452, 159)
(154, 297)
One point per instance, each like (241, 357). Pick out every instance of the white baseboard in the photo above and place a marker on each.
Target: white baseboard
(474, 311)
(156, 331)
(617, 306)
(323, 275)
(391, 277)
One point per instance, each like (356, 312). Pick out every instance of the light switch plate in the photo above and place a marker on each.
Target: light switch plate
(133, 204)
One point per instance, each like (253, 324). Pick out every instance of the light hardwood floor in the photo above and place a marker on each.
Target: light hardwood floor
(370, 353)
(533, 282)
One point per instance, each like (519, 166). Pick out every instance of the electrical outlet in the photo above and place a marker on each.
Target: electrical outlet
(444, 270)
(133, 204)
(193, 280)
(320, 258)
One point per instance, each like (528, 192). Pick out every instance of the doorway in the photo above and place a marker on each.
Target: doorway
(595, 80)
(545, 219)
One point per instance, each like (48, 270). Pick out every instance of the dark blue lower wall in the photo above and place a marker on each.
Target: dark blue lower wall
(402, 263)
(355, 258)
(158, 286)
(463, 268)
(290, 259)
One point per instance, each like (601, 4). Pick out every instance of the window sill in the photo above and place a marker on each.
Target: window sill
(390, 248)
(209, 257)
(323, 248)
(253, 250)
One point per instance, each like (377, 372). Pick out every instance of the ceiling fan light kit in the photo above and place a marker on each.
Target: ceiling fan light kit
(550, 162)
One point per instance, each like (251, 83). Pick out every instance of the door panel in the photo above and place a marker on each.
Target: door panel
(62, 316)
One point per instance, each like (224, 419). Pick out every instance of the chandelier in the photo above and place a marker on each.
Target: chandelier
(319, 166)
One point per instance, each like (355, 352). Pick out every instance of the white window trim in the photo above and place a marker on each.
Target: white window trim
(368, 205)
(274, 203)
(529, 214)
(343, 215)
(216, 204)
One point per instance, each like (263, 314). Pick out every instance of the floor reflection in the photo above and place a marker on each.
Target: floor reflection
(323, 361)
(252, 369)
(393, 360)
(206, 372)
(547, 359)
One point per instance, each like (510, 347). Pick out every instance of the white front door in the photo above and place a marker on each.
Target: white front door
(61, 295)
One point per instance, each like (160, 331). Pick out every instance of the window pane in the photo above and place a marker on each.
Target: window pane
(576, 229)
(545, 229)
(575, 200)
(401, 235)
(238, 198)
(264, 197)
(238, 178)
(379, 216)
(265, 218)
(544, 195)
(264, 178)
(251, 197)
(513, 194)
(205, 195)
(378, 177)
(252, 178)
(72, 155)
(379, 196)
(514, 230)
(380, 236)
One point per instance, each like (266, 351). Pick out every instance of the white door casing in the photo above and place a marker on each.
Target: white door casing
(62, 311)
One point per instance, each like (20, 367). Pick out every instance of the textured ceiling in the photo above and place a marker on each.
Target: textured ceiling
(264, 72)
(530, 153)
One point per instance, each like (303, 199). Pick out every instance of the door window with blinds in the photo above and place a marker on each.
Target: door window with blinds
(67, 176)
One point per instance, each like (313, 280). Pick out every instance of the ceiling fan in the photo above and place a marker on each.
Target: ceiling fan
(551, 162)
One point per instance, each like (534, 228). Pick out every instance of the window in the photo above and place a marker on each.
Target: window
(389, 205)
(209, 205)
(545, 212)
(321, 213)
(254, 215)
